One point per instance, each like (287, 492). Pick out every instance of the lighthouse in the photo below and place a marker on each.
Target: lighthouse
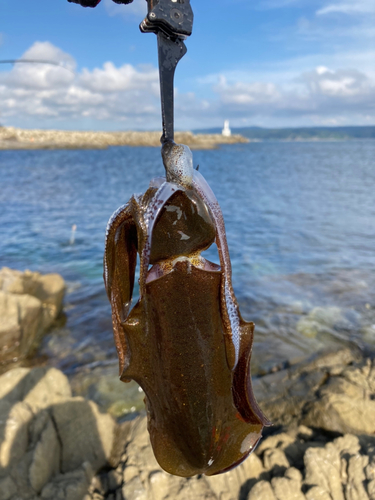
(226, 130)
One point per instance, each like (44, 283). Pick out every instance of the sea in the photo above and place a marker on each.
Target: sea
(300, 221)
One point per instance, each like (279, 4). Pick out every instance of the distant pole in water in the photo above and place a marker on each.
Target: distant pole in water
(73, 235)
(226, 130)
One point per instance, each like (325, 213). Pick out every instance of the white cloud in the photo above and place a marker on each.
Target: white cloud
(319, 96)
(338, 84)
(127, 97)
(35, 91)
(353, 7)
(243, 93)
(42, 76)
(127, 77)
(137, 8)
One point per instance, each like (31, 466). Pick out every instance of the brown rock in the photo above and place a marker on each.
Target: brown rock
(29, 303)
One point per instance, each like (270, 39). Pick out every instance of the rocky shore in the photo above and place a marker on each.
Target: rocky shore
(322, 446)
(54, 445)
(16, 138)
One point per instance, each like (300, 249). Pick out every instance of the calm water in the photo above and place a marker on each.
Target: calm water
(301, 230)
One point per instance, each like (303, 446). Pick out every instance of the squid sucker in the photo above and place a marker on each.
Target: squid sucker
(184, 342)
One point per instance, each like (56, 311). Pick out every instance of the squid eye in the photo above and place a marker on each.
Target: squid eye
(178, 163)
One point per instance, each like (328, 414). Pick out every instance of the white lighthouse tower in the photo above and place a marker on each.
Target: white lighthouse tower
(226, 130)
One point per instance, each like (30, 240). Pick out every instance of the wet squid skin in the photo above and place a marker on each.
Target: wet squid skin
(184, 342)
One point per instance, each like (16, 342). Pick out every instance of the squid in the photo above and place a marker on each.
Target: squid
(184, 341)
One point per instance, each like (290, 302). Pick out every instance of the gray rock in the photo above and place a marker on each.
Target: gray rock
(7, 488)
(86, 434)
(70, 486)
(46, 454)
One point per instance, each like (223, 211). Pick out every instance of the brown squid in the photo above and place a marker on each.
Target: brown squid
(184, 342)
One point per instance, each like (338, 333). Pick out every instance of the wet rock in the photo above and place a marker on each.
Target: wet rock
(29, 304)
(102, 385)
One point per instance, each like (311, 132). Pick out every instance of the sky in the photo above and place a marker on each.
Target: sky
(268, 63)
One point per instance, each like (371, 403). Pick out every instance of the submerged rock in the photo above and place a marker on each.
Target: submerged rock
(29, 304)
(323, 321)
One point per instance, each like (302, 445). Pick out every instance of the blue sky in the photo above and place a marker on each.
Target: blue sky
(273, 63)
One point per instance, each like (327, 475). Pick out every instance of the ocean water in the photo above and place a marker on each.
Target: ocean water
(300, 219)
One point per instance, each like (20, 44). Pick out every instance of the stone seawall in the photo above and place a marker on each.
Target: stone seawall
(16, 138)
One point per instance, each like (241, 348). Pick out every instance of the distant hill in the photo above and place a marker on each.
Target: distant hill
(301, 134)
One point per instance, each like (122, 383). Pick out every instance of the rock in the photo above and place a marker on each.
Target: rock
(79, 445)
(21, 323)
(323, 468)
(8, 488)
(275, 460)
(343, 404)
(289, 486)
(38, 388)
(102, 385)
(262, 491)
(51, 444)
(70, 486)
(143, 478)
(14, 421)
(322, 321)
(29, 304)
(46, 455)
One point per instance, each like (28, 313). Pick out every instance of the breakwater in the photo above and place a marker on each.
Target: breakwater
(16, 138)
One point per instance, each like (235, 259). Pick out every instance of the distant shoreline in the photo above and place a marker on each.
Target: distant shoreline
(12, 138)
